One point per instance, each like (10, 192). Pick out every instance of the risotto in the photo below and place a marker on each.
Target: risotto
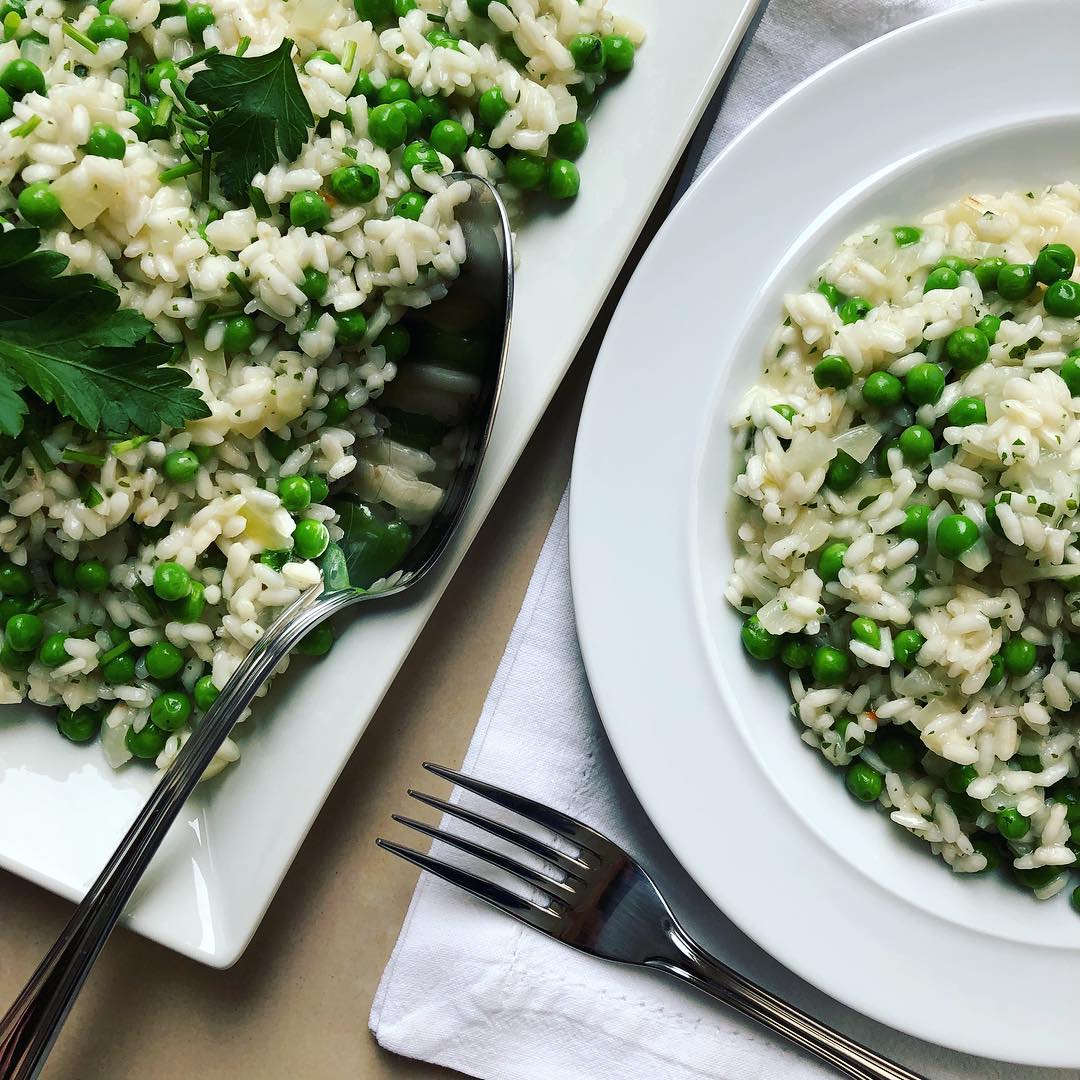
(216, 219)
(908, 523)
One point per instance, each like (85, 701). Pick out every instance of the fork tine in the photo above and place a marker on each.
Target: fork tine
(503, 862)
(573, 866)
(545, 919)
(567, 827)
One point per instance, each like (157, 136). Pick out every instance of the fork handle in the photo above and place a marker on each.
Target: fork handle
(698, 968)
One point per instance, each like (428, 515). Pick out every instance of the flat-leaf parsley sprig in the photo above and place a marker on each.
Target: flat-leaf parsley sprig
(66, 340)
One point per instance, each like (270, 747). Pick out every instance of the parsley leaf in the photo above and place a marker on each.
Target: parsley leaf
(261, 110)
(67, 340)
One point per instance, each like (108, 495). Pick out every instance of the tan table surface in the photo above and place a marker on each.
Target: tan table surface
(297, 1002)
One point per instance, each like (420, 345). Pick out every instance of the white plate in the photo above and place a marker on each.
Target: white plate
(62, 809)
(986, 97)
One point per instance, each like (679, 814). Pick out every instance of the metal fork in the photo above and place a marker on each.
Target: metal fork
(607, 906)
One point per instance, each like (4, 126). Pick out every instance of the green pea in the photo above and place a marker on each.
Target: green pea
(1018, 655)
(422, 154)
(1067, 794)
(954, 263)
(239, 334)
(377, 546)
(526, 171)
(831, 293)
(618, 53)
(410, 112)
(843, 472)
(442, 39)
(314, 283)
(916, 523)
(967, 348)
(294, 493)
(15, 580)
(831, 560)
(492, 107)
(450, 138)
(180, 466)
(1039, 877)
(965, 807)
(570, 140)
(171, 581)
(796, 653)
(206, 693)
(1074, 899)
(986, 849)
(395, 340)
(410, 205)
(897, 750)
(39, 206)
(171, 710)
(7, 108)
(364, 87)
(759, 642)
(997, 671)
(854, 309)
(317, 642)
(200, 17)
(864, 782)
(956, 534)
(906, 646)
(355, 184)
(53, 651)
(587, 51)
(11, 660)
(924, 384)
(1011, 823)
(959, 777)
(941, 278)
(147, 742)
(319, 489)
(986, 272)
(308, 210)
(1062, 299)
(13, 605)
(1055, 262)
(80, 725)
(1070, 372)
(190, 608)
(22, 77)
(784, 410)
(107, 28)
(105, 142)
(966, 411)
(989, 325)
(1016, 280)
(162, 71)
(563, 179)
(916, 444)
(866, 631)
(310, 539)
(882, 390)
(394, 90)
(833, 372)
(432, 109)
(120, 671)
(24, 632)
(830, 667)
(351, 327)
(91, 576)
(906, 235)
(337, 409)
(163, 660)
(144, 116)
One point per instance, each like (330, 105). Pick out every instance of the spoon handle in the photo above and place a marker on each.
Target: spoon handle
(30, 1027)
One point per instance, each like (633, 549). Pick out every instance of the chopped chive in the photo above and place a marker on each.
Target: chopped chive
(242, 47)
(197, 58)
(46, 605)
(10, 467)
(204, 186)
(134, 83)
(147, 599)
(349, 151)
(112, 654)
(27, 128)
(258, 200)
(82, 457)
(37, 452)
(189, 106)
(176, 354)
(186, 168)
(192, 123)
(349, 56)
(90, 495)
(119, 448)
(163, 111)
(79, 36)
(241, 289)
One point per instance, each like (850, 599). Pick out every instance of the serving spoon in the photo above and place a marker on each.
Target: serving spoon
(485, 289)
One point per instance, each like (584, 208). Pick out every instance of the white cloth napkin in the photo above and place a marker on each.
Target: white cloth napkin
(471, 989)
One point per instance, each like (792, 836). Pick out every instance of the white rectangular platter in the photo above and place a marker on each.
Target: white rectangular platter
(62, 809)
